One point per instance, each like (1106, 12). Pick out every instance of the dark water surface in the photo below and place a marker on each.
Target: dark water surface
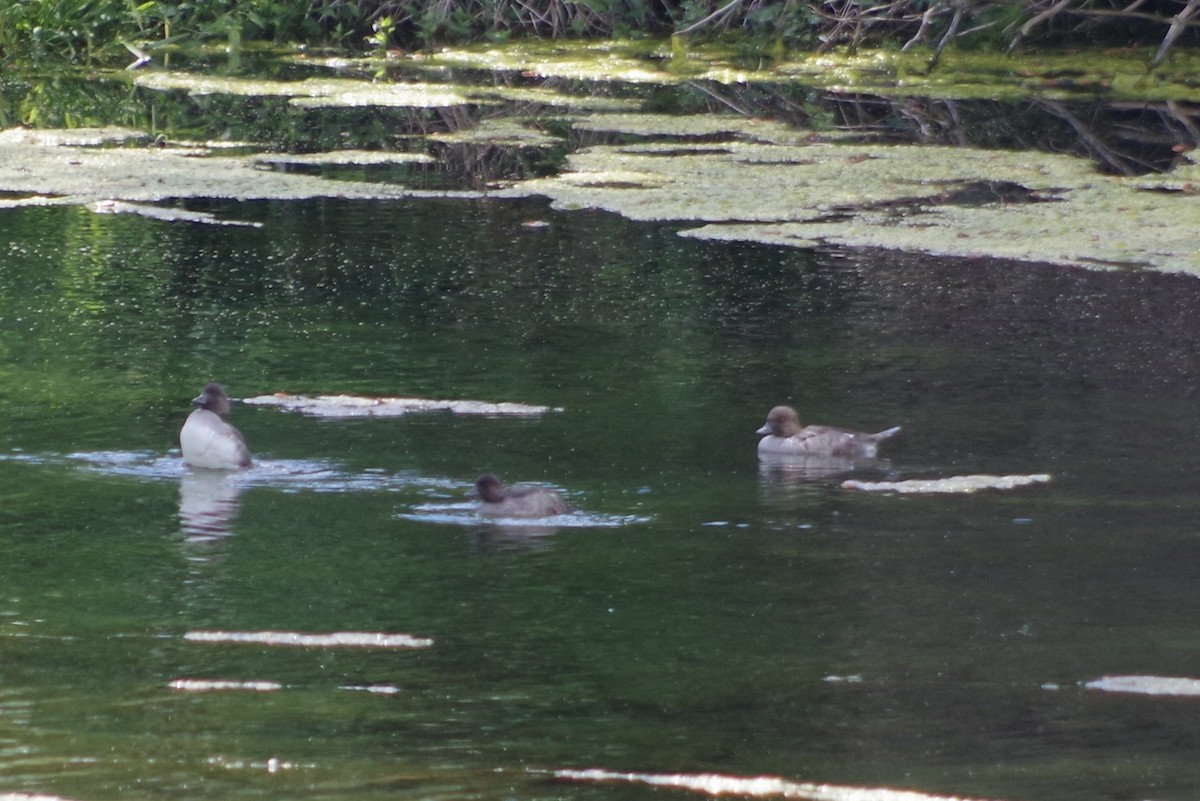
(706, 617)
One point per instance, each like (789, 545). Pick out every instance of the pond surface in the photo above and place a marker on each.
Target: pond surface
(702, 615)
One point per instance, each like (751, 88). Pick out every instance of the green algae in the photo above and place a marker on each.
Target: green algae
(1119, 74)
(69, 168)
(310, 92)
(902, 197)
(774, 189)
(358, 158)
(500, 132)
(693, 125)
(720, 176)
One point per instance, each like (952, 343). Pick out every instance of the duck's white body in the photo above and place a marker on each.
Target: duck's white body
(782, 435)
(206, 440)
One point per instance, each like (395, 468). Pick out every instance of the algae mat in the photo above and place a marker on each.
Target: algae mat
(941, 200)
(749, 180)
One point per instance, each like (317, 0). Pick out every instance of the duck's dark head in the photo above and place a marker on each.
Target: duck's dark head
(214, 399)
(489, 489)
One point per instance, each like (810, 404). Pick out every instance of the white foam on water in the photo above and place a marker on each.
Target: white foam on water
(464, 514)
(961, 485)
(295, 639)
(338, 406)
(219, 685)
(716, 784)
(289, 475)
(1146, 685)
(377, 689)
(272, 765)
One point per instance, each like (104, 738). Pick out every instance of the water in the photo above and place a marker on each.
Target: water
(698, 616)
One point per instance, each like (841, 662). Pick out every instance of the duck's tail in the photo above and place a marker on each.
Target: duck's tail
(886, 433)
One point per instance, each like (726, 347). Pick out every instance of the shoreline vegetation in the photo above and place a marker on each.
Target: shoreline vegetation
(107, 31)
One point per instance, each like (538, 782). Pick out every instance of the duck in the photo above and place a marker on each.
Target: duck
(782, 435)
(519, 500)
(207, 440)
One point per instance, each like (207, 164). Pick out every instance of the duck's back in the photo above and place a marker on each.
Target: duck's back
(208, 441)
(826, 440)
(526, 501)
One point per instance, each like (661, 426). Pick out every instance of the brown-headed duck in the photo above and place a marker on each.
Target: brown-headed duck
(519, 500)
(782, 435)
(207, 440)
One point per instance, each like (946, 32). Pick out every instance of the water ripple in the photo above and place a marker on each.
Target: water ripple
(290, 475)
(464, 514)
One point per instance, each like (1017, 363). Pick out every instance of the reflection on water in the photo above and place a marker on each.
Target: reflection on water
(208, 504)
(808, 467)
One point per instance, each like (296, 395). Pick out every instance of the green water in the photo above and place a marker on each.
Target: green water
(714, 619)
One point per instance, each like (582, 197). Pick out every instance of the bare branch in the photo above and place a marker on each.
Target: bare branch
(1037, 20)
(724, 10)
(1178, 23)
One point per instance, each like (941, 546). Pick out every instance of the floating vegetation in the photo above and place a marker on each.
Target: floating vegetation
(342, 158)
(694, 125)
(217, 685)
(930, 199)
(749, 179)
(961, 485)
(73, 137)
(362, 406)
(293, 639)
(544, 96)
(755, 786)
(770, 182)
(1146, 685)
(961, 75)
(587, 60)
(499, 131)
(310, 92)
(50, 167)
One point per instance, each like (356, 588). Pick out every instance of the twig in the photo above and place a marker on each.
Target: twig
(950, 32)
(720, 12)
(720, 99)
(1037, 20)
(1178, 23)
(926, 20)
(1102, 151)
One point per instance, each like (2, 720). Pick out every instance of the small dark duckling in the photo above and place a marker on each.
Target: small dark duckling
(519, 500)
(782, 435)
(207, 440)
